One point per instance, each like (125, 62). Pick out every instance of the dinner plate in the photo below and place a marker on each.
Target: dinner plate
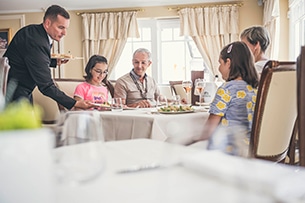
(176, 112)
(73, 58)
(101, 105)
(203, 104)
(130, 108)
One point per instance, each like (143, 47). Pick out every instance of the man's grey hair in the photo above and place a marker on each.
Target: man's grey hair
(143, 50)
(257, 34)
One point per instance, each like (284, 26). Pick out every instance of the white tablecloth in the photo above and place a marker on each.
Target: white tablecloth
(181, 183)
(145, 123)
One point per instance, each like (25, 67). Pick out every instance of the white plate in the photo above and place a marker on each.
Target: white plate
(63, 58)
(101, 105)
(201, 108)
(175, 112)
(131, 108)
(203, 104)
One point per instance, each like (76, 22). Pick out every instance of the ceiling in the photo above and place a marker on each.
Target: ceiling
(17, 6)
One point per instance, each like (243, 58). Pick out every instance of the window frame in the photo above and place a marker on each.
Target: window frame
(155, 26)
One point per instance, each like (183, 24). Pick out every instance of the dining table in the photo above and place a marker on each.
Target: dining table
(137, 171)
(134, 123)
(183, 174)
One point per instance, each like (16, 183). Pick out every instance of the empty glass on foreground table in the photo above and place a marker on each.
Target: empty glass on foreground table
(75, 165)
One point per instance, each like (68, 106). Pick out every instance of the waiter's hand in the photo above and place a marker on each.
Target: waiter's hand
(62, 61)
(84, 104)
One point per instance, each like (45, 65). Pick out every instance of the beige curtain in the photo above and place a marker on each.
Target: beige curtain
(272, 23)
(106, 34)
(211, 29)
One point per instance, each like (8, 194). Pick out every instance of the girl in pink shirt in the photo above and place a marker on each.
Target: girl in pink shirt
(96, 86)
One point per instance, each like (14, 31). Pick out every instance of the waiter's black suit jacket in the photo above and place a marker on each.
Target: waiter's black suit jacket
(29, 57)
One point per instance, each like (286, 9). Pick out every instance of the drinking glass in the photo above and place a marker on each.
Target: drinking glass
(116, 104)
(176, 100)
(187, 86)
(161, 101)
(84, 161)
(199, 87)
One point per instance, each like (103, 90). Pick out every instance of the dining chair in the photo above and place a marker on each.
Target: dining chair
(301, 105)
(180, 91)
(275, 112)
(4, 68)
(172, 83)
(166, 91)
(68, 86)
(50, 108)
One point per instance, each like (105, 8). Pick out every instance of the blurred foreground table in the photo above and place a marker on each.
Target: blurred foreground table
(188, 175)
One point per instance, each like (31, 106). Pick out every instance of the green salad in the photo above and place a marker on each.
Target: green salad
(175, 108)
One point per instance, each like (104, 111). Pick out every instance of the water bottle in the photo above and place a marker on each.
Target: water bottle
(217, 81)
(209, 92)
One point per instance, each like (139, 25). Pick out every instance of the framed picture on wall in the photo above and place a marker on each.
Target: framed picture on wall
(5, 37)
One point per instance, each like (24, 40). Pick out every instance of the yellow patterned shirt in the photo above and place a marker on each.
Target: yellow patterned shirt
(234, 102)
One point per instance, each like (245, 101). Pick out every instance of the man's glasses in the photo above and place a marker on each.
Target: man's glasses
(101, 72)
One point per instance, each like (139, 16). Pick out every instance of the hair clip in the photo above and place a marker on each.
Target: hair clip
(229, 49)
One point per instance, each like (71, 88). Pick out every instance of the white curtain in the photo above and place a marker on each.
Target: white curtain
(271, 21)
(106, 34)
(211, 29)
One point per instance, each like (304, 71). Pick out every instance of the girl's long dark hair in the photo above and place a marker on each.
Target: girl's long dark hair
(91, 63)
(242, 62)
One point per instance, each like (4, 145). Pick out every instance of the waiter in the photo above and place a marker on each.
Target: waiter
(29, 58)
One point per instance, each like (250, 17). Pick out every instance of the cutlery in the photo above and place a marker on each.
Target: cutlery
(137, 168)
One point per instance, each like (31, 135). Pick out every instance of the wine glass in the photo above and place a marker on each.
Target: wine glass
(84, 161)
(162, 101)
(176, 100)
(199, 87)
(187, 86)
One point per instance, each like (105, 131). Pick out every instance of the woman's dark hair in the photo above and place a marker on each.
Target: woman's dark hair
(242, 62)
(91, 63)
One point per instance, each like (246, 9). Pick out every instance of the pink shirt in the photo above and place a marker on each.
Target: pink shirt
(96, 94)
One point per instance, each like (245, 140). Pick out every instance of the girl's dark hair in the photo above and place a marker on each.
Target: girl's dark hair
(242, 62)
(91, 63)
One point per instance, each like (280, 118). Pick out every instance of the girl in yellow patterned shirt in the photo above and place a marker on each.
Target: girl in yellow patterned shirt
(229, 124)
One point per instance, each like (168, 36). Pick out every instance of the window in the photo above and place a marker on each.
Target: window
(296, 27)
(173, 56)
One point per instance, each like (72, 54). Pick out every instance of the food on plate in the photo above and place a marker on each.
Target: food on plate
(62, 56)
(54, 55)
(105, 104)
(175, 109)
(66, 56)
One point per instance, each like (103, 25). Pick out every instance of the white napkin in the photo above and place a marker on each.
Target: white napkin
(281, 182)
(26, 166)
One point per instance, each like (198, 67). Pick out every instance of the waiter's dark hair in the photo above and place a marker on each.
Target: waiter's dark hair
(55, 10)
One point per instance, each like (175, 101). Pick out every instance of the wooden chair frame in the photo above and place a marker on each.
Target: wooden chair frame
(263, 92)
(301, 105)
(4, 68)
